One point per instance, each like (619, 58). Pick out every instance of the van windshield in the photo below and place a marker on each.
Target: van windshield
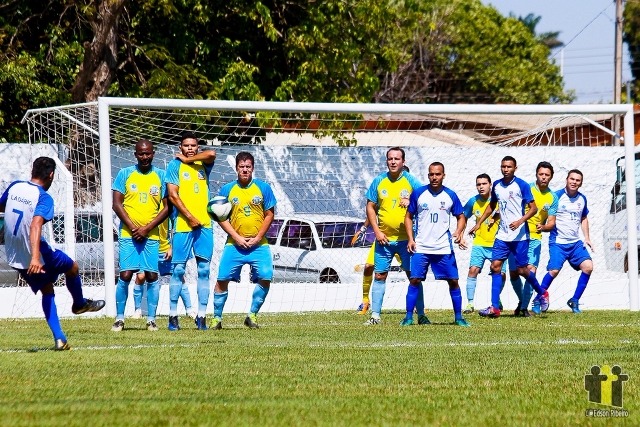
(340, 234)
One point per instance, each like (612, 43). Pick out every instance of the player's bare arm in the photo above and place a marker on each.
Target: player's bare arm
(458, 235)
(176, 201)
(487, 212)
(408, 225)
(118, 207)
(372, 216)
(142, 232)
(239, 240)
(207, 157)
(585, 231)
(35, 234)
(268, 219)
(533, 209)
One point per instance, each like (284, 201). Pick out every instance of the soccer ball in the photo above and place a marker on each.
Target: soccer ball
(219, 208)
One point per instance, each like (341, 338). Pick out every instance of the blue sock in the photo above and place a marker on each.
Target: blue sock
(377, 295)
(496, 288)
(153, 295)
(420, 301)
(51, 315)
(471, 288)
(582, 285)
(137, 296)
(74, 285)
(456, 299)
(531, 278)
(204, 287)
(186, 296)
(259, 295)
(546, 281)
(122, 293)
(516, 284)
(527, 293)
(175, 286)
(412, 296)
(219, 300)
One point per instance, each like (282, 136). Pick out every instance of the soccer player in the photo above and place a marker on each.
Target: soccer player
(140, 201)
(27, 207)
(564, 240)
(431, 207)
(547, 203)
(386, 216)
(483, 239)
(512, 195)
(188, 187)
(251, 215)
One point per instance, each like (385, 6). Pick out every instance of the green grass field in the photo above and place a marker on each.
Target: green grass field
(318, 369)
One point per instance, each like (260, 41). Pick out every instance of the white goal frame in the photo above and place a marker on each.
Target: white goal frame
(106, 103)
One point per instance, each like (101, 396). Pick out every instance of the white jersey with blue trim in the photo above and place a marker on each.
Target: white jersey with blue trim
(431, 215)
(569, 216)
(23, 200)
(512, 198)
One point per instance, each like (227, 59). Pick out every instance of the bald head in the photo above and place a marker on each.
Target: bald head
(144, 154)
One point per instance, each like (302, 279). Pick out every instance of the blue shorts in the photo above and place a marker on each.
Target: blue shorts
(138, 255)
(520, 251)
(480, 254)
(384, 255)
(55, 263)
(444, 266)
(576, 253)
(533, 254)
(164, 265)
(234, 258)
(198, 242)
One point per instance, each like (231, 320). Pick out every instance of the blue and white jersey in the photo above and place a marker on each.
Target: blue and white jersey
(569, 216)
(431, 215)
(23, 200)
(512, 198)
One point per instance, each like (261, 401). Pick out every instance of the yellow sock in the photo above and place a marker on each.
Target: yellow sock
(366, 286)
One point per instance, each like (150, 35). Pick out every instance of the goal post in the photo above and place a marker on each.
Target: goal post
(320, 158)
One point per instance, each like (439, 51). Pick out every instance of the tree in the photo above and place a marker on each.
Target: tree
(631, 35)
(549, 38)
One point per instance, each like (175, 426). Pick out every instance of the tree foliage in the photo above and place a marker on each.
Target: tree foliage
(63, 51)
(631, 35)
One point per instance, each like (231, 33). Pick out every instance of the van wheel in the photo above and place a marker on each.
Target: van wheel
(329, 275)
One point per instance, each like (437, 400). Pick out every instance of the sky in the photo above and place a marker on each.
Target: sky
(587, 28)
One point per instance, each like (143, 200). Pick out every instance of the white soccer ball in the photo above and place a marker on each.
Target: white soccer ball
(219, 208)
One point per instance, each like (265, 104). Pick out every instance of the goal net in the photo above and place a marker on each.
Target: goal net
(320, 160)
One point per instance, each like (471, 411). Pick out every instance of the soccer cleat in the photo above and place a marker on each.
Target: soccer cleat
(174, 325)
(118, 325)
(201, 323)
(251, 321)
(137, 314)
(61, 345)
(525, 313)
(192, 314)
(372, 321)
(462, 322)
(517, 311)
(407, 321)
(535, 307)
(423, 320)
(89, 305)
(544, 301)
(363, 308)
(217, 323)
(574, 305)
(151, 326)
(468, 309)
(500, 307)
(490, 312)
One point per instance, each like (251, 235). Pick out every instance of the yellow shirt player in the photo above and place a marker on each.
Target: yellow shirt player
(251, 215)
(386, 212)
(188, 187)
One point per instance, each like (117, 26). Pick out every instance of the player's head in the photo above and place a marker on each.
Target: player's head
(395, 160)
(544, 174)
(574, 180)
(508, 167)
(436, 175)
(43, 170)
(144, 154)
(244, 167)
(188, 144)
(483, 185)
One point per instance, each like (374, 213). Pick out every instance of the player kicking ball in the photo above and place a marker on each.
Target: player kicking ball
(431, 207)
(27, 207)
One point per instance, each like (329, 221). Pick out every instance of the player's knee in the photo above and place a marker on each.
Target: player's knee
(587, 267)
(47, 289)
(221, 286)
(203, 269)
(126, 276)
(151, 276)
(473, 272)
(381, 276)
(179, 271)
(453, 284)
(368, 270)
(73, 271)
